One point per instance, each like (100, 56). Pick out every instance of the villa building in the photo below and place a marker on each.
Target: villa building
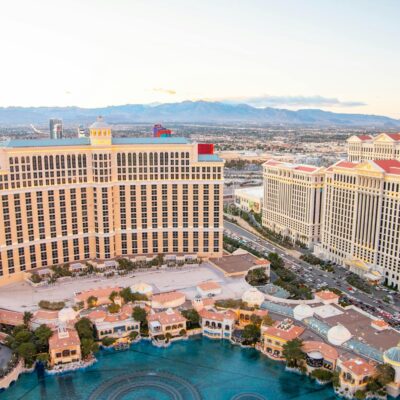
(115, 325)
(64, 346)
(102, 295)
(209, 289)
(320, 355)
(217, 325)
(168, 300)
(244, 317)
(166, 322)
(385, 146)
(276, 336)
(354, 374)
(293, 200)
(360, 223)
(97, 198)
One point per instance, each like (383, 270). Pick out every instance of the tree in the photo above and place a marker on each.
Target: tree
(255, 320)
(276, 261)
(113, 308)
(385, 374)
(133, 335)
(107, 341)
(139, 314)
(27, 317)
(360, 395)
(322, 375)
(293, 353)
(168, 336)
(41, 337)
(27, 351)
(91, 301)
(257, 277)
(113, 295)
(84, 328)
(88, 346)
(193, 318)
(251, 333)
(182, 332)
(335, 379)
(126, 294)
(43, 358)
(267, 320)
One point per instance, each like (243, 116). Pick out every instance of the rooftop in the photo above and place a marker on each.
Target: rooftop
(237, 264)
(167, 317)
(359, 367)
(17, 143)
(326, 350)
(60, 341)
(290, 333)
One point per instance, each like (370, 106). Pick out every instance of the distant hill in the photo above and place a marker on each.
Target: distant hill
(192, 112)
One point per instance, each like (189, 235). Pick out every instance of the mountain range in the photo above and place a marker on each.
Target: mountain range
(192, 112)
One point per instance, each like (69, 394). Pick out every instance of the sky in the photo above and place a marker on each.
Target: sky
(339, 55)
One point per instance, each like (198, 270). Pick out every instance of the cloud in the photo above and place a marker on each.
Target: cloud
(165, 91)
(293, 101)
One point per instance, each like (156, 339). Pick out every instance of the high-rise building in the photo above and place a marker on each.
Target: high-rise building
(361, 223)
(56, 128)
(100, 197)
(385, 146)
(293, 200)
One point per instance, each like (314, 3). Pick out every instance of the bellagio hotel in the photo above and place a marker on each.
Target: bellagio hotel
(98, 198)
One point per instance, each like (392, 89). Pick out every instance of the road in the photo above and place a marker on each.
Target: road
(314, 276)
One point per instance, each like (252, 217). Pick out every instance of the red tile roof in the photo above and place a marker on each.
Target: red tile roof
(211, 285)
(326, 350)
(364, 137)
(99, 293)
(394, 136)
(359, 367)
(389, 166)
(56, 342)
(286, 334)
(327, 295)
(167, 297)
(217, 316)
(167, 317)
(345, 164)
(9, 317)
(305, 168)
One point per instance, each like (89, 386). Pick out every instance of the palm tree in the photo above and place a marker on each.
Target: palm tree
(293, 353)
(91, 301)
(27, 317)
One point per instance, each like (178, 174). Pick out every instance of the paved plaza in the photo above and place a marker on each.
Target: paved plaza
(22, 296)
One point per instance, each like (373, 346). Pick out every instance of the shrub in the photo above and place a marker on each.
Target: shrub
(113, 308)
(35, 278)
(51, 305)
(322, 375)
(107, 341)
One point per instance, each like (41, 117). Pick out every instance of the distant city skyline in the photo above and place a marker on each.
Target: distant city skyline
(338, 56)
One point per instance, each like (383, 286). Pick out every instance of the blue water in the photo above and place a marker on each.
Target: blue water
(209, 369)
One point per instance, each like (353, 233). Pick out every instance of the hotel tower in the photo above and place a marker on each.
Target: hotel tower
(100, 197)
(361, 222)
(293, 200)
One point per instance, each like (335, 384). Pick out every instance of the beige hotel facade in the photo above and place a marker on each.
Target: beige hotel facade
(349, 213)
(98, 198)
(292, 202)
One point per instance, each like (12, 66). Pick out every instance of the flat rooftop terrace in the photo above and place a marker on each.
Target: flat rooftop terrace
(235, 264)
